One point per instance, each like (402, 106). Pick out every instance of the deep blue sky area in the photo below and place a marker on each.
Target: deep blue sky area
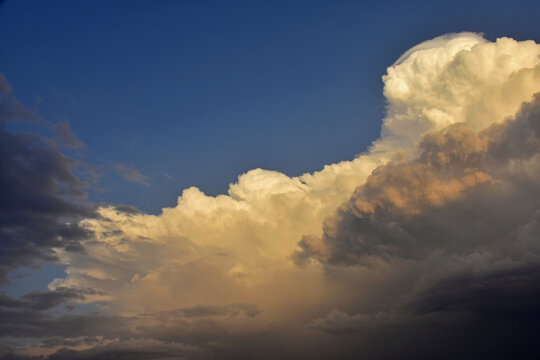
(206, 90)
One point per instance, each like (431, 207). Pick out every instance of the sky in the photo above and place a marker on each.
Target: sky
(204, 91)
(261, 180)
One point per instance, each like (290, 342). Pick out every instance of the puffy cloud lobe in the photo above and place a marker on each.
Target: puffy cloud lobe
(456, 78)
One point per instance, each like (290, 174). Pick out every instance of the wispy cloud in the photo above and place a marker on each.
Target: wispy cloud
(11, 110)
(67, 138)
(130, 173)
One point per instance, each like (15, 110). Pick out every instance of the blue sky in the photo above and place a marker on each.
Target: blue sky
(204, 91)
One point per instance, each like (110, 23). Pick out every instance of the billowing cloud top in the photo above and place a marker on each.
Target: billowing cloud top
(439, 217)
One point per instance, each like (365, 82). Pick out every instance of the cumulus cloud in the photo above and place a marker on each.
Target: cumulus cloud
(458, 219)
(410, 240)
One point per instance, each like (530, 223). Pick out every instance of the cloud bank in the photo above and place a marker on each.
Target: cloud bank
(430, 235)
(42, 198)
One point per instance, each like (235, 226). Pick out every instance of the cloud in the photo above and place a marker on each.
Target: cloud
(483, 294)
(396, 253)
(409, 208)
(11, 110)
(457, 225)
(5, 88)
(338, 322)
(43, 300)
(250, 310)
(65, 135)
(40, 202)
(129, 173)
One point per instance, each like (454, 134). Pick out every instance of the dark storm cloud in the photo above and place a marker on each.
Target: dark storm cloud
(339, 322)
(44, 300)
(467, 316)
(106, 353)
(31, 323)
(61, 341)
(41, 202)
(494, 315)
(500, 293)
(154, 335)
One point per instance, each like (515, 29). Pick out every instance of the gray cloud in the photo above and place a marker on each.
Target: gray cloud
(516, 290)
(338, 322)
(168, 334)
(5, 88)
(11, 110)
(250, 310)
(129, 173)
(45, 300)
(66, 136)
(40, 202)
(42, 199)
(23, 322)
